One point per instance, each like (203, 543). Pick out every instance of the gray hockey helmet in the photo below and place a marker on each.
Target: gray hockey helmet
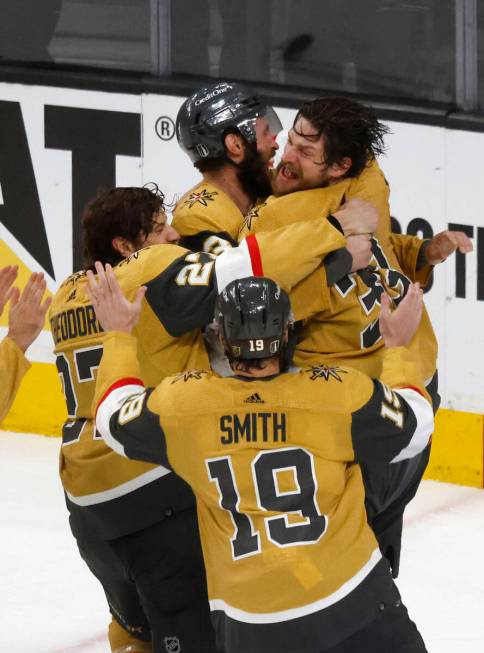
(253, 314)
(205, 116)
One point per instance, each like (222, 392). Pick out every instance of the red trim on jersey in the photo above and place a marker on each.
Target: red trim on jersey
(254, 253)
(119, 384)
(412, 387)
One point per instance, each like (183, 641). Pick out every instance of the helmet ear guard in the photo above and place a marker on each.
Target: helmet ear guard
(253, 316)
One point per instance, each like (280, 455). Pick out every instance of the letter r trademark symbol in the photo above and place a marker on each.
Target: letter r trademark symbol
(165, 128)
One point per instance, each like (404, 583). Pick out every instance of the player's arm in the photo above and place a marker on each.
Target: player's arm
(121, 402)
(13, 367)
(25, 321)
(123, 416)
(417, 257)
(183, 295)
(410, 253)
(396, 420)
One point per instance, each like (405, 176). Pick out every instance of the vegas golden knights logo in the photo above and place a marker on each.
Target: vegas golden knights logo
(202, 197)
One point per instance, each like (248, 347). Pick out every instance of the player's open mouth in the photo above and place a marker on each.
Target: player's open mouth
(287, 173)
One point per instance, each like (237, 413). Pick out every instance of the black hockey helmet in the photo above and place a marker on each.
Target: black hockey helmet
(252, 314)
(205, 116)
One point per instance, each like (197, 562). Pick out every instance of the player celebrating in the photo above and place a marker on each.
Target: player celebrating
(228, 131)
(118, 508)
(291, 563)
(331, 156)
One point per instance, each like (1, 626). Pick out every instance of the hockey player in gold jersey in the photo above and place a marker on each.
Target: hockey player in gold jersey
(25, 321)
(291, 563)
(228, 131)
(329, 158)
(116, 505)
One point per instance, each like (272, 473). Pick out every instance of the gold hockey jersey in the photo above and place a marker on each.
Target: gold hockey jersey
(279, 500)
(342, 319)
(13, 367)
(207, 219)
(181, 291)
(370, 186)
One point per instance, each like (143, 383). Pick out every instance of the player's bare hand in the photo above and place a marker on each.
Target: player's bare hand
(357, 217)
(445, 243)
(27, 312)
(7, 277)
(113, 310)
(360, 249)
(398, 327)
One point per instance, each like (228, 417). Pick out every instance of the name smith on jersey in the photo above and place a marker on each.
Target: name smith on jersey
(253, 427)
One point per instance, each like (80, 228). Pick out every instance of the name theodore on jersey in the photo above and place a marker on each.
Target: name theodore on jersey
(74, 323)
(253, 427)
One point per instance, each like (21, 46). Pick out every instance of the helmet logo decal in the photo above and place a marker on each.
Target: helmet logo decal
(274, 346)
(203, 197)
(202, 150)
(209, 96)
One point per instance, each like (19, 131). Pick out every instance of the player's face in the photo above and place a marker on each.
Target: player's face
(266, 141)
(302, 164)
(162, 233)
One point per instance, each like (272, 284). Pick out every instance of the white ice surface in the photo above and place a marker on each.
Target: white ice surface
(50, 603)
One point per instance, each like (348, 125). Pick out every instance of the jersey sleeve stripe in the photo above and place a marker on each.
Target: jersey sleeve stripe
(411, 387)
(424, 414)
(120, 384)
(255, 256)
(111, 402)
(236, 263)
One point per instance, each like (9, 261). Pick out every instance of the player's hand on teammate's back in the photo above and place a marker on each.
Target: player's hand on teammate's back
(7, 277)
(360, 249)
(398, 327)
(27, 312)
(113, 311)
(357, 217)
(445, 243)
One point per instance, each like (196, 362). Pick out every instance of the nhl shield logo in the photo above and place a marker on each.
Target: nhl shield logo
(172, 644)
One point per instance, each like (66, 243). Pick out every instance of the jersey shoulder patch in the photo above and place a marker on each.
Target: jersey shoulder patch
(207, 208)
(190, 375)
(200, 196)
(339, 389)
(324, 372)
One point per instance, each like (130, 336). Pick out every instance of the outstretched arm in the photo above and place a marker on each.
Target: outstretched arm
(27, 312)
(397, 421)
(120, 401)
(25, 321)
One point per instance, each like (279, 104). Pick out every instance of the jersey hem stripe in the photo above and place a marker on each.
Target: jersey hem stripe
(120, 490)
(302, 611)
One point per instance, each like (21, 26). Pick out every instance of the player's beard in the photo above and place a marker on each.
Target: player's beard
(254, 176)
